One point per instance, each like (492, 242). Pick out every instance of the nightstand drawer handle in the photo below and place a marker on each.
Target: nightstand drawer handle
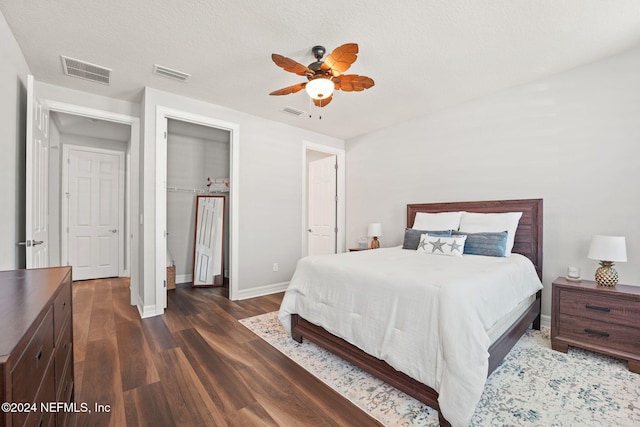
(592, 332)
(595, 307)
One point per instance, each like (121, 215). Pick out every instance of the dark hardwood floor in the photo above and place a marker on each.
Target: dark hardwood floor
(193, 366)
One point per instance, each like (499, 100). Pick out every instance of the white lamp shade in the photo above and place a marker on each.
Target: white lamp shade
(320, 88)
(608, 248)
(374, 229)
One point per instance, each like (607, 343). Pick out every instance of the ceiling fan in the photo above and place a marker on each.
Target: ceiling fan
(324, 76)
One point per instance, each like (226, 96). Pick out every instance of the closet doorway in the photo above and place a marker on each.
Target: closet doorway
(197, 164)
(163, 116)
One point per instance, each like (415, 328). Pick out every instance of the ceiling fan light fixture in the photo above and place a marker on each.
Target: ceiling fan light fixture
(320, 88)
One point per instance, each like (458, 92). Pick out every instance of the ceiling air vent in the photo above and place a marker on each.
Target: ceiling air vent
(172, 74)
(85, 70)
(292, 110)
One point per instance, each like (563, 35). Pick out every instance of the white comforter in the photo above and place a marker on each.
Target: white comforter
(425, 315)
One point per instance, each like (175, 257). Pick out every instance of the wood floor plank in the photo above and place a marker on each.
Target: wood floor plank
(148, 406)
(134, 371)
(102, 324)
(158, 334)
(101, 385)
(191, 404)
(82, 294)
(223, 383)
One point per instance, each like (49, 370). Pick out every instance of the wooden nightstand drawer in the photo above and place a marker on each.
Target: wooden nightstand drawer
(598, 307)
(596, 333)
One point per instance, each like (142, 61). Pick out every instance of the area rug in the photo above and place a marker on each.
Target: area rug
(533, 386)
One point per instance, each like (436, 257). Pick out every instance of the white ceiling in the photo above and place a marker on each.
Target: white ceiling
(424, 56)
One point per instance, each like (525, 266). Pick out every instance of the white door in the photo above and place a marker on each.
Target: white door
(322, 206)
(94, 182)
(37, 173)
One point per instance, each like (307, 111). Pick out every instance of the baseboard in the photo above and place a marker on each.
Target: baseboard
(545, 321)
(261, 291)
(184, 278)
(146, 310)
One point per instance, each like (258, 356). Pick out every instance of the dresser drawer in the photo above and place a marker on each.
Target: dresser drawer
(596, 333)
(38, 418)
(62, 352)
(30, 368)
(599, 307)
(61, 309)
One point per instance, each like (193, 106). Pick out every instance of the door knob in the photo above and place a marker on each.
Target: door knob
(310, 230)
(114, 231)
(30, 243)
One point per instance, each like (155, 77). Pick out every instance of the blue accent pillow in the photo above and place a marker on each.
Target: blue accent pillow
(412, 237)
(487, 244)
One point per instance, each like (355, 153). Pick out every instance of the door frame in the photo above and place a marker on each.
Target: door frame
(64, 202)
(162, 116)
(341, 191)
(132, 178)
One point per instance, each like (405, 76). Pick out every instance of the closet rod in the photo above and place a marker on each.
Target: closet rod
(187, 190)
(195, 190)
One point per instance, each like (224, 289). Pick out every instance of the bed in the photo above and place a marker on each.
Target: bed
(362, 278)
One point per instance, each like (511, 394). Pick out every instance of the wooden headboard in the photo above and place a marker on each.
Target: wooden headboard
(528, 240)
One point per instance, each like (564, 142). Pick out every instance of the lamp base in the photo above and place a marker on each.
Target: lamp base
(606, 275)
(375, 243)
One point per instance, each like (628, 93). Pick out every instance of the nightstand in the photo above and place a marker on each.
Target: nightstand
(597, 318)
(358, 249)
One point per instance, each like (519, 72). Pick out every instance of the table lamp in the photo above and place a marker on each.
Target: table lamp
(607, 249)
(375, 230)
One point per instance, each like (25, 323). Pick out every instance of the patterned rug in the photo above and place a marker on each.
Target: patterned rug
(534, 385)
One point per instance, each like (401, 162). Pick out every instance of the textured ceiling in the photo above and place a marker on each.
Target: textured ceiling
(423, 55)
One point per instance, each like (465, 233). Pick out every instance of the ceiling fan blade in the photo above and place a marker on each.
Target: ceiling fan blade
(353, 82)
(322, 102)
(340, 59)
(289, 89)
(290, 65)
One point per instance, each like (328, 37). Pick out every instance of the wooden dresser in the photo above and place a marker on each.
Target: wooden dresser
(36, 347)
(597, 318)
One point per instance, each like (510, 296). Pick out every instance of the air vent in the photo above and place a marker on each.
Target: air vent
(85, 70)
(172, 74)
(292, 110)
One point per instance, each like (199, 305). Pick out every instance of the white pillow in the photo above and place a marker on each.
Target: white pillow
(442, 245)
(437, 221)
(473, 222)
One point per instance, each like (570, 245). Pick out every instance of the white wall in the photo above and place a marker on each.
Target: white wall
(269, 188)
(572, 139)
(13, 106)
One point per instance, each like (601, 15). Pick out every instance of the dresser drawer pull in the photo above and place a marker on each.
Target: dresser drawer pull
(595, 307)
(38, 357)
(601, 334)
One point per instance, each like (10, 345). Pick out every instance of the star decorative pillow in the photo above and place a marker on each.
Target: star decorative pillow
(442, 245)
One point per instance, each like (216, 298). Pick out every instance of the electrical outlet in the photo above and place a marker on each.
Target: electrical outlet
(275, 266)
